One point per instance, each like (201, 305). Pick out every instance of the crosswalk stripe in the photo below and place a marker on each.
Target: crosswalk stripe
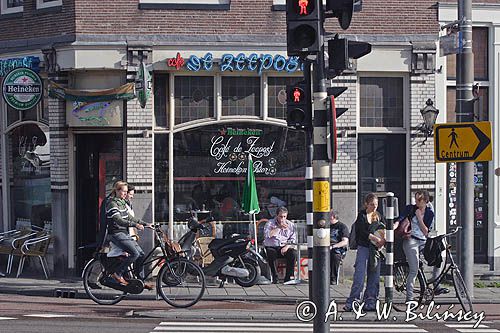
(265, 324)
(6, 318)
(48, 315)
(283, 329)
(469, 328)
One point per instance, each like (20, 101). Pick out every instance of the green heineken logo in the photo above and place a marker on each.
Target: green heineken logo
(241, 132)
(22, 88)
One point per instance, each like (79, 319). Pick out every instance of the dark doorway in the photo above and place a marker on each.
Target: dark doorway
(382, 165)
(99, 164)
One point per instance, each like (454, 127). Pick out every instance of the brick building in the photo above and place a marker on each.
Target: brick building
(219, 69)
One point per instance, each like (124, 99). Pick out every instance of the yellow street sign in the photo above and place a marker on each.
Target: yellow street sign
(462, 142)
(321, 196)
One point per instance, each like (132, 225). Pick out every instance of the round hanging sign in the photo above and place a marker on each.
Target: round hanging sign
(22, 88)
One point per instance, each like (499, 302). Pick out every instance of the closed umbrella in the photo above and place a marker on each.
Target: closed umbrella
(250, 202)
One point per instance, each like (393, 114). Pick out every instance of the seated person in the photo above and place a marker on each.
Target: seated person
(279, 237)
(339, 240)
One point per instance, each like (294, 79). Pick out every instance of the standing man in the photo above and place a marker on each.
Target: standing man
(339, 240)
(280, 234)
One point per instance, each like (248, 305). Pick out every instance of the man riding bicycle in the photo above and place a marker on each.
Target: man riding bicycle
(118, 221)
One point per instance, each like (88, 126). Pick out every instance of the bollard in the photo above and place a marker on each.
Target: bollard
(389, 246)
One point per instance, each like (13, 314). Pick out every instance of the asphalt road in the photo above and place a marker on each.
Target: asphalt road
(54, 315)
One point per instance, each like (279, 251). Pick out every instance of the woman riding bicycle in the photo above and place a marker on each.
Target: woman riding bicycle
(118, 221)
(421, 218)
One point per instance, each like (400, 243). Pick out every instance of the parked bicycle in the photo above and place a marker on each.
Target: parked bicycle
(180, 281)
(424, 288)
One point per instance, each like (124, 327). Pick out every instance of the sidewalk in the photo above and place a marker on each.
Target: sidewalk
(274, 293)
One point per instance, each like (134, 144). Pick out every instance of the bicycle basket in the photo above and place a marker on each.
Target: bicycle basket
(172, 248)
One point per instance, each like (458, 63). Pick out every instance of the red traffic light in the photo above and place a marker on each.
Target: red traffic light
(297, 95)
(303, 7)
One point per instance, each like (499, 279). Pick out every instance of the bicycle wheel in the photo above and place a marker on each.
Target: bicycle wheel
(401, 270)
(93, 275)
(181, 283)
(461, 290)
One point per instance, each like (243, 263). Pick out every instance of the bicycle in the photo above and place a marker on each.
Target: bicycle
(180, 281)
(424, 288)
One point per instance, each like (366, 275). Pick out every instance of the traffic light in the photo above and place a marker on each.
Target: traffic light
(304, 31)
(333, 114)
(299, 107)
(340, 50)
(342, 9)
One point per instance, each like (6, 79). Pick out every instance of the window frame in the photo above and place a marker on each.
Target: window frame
(406, 104)
(40, 4)
(185, 4)
(5, 10)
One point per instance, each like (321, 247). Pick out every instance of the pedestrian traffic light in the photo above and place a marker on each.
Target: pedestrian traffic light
(341, 9)
(299, 107)
(341, 50)
(304, 31)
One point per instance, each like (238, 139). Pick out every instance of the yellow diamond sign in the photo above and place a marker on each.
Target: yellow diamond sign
(462, 142)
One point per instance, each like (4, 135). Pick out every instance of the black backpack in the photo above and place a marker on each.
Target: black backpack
(103, 225)
(432, 250)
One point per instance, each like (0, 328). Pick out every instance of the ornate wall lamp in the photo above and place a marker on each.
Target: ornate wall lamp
(429, 113)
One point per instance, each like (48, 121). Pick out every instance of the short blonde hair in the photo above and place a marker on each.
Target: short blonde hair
(118, 186)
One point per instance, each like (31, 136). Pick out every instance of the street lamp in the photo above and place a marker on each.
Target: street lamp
(429, 113)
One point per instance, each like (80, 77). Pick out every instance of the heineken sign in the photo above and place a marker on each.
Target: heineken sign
(22, 88)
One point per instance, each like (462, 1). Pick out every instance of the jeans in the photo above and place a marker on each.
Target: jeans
(136, 254)
(335, 259)
(412, 248)
(361, 270)
(274, 252)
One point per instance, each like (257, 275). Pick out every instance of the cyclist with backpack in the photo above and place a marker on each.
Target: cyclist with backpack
(421, 219)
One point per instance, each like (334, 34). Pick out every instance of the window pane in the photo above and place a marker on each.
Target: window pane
(210, 166)
(14, 3)
(241, 96)
(480, 49)
(161, 177)
(480, 109)
(12, 115)
(161, 100)
(194, 98)
(277, 95)
(29, 173)
(381, 102)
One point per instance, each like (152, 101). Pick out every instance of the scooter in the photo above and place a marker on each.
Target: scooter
(233, 257)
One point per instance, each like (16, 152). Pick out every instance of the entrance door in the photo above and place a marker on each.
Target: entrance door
(382, 165)
(98, 166)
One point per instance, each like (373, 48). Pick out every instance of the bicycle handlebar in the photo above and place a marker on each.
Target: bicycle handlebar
(453, 232)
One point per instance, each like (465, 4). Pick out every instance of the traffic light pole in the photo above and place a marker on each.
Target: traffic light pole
(465, 113)
(321, 198)
(309, 188)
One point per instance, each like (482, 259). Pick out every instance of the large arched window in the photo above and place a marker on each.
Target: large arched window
(28, 157)
(210, 164)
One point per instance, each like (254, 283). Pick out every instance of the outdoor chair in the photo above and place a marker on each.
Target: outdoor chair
(205, 254)
(36, 247)
(11, 242)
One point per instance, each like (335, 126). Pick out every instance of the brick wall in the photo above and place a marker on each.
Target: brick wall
(244, 18)
(32, 23)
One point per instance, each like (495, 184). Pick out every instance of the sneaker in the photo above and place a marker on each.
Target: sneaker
(347, 308)
(441, 291)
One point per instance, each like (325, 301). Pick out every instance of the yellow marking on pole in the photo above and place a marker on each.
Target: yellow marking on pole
(321, 196)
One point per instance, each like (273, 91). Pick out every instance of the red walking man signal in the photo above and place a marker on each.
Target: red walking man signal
(296, 95)
(303, 7)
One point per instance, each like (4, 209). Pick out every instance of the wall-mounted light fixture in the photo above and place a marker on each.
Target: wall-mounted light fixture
(429, 114)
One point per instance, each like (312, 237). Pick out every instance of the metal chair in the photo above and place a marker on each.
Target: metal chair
(36, 247)
(11, 242)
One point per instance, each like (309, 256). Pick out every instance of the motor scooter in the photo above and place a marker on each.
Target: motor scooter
(233, 257)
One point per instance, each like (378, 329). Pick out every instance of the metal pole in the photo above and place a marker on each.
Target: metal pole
(309, 191)
(321, 198)
(389, 247)
(464, 113)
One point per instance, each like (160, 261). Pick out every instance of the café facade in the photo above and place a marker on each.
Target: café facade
(207, 103)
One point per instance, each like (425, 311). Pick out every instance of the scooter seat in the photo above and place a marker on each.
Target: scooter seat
(217, 243)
